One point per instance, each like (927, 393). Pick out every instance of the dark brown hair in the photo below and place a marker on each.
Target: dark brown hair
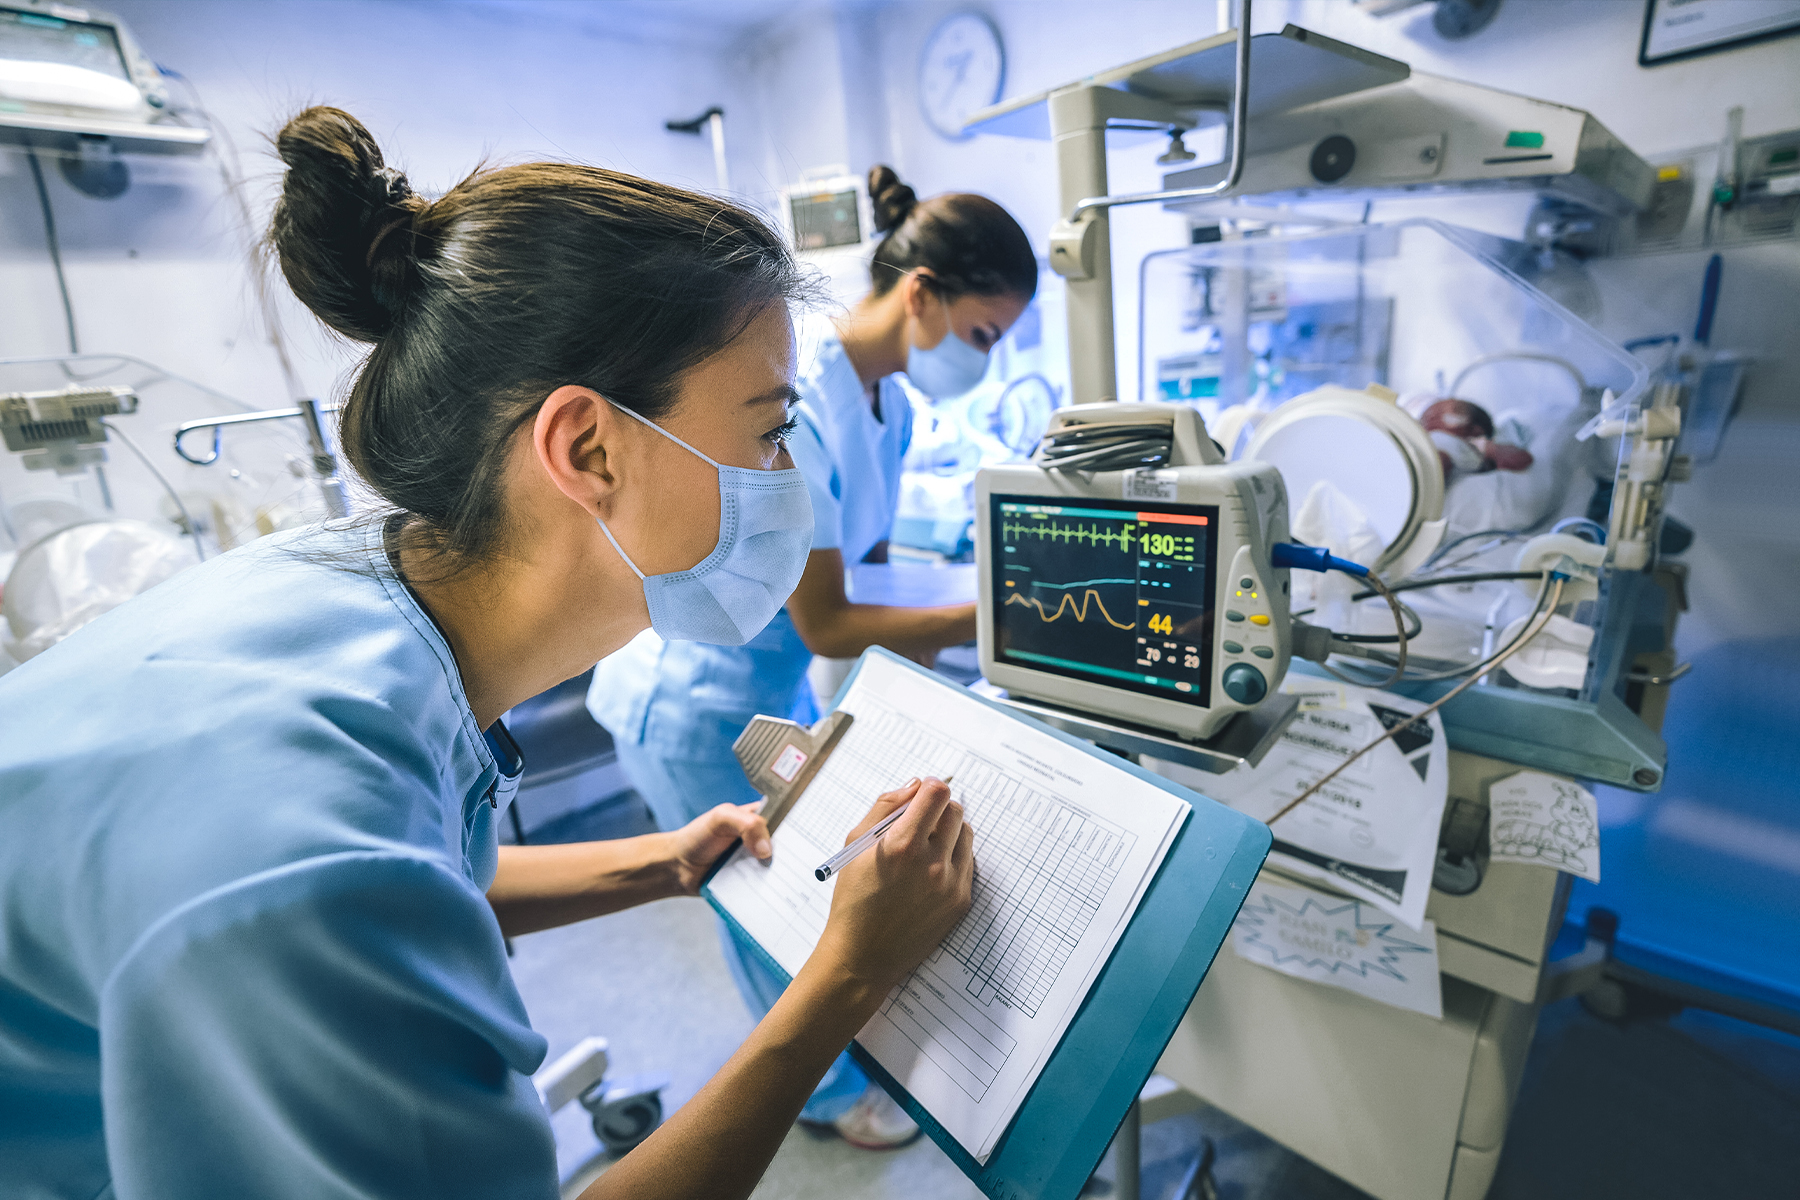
(969, 243)
(481, 303)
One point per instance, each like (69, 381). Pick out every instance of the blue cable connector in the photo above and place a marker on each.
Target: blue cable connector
(1292, 555)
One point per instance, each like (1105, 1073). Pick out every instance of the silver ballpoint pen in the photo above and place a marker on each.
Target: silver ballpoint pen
(847, 855)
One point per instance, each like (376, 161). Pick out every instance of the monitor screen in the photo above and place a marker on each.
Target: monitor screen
(825, 220)
(1112, 592)
(75, 45)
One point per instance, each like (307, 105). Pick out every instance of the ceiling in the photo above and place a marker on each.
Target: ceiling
(708, 23)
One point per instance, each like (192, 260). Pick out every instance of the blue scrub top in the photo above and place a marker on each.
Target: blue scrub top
(692, 699)
(249, 823)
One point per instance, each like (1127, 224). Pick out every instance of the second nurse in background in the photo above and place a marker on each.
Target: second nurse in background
(949, 278)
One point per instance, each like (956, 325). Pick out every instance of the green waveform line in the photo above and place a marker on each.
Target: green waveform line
(1089, 597)
(1052, 532)
(1079, 583)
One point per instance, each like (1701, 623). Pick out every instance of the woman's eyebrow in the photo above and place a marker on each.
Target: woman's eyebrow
(787, 394)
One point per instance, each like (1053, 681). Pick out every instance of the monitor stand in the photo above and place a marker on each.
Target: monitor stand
(1246, 738)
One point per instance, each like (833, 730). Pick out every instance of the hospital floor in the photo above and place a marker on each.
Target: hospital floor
(1694, 1106)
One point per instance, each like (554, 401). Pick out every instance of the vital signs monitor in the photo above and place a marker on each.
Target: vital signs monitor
(1143, 593)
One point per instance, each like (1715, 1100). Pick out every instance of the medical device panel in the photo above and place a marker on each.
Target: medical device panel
(1141, 594)
(72, 79)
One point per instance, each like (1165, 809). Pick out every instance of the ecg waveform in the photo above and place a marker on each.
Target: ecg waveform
(1069, 534)
(1089, 598)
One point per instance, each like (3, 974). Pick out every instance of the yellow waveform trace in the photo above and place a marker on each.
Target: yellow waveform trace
(1067, 603)
(1053, 532)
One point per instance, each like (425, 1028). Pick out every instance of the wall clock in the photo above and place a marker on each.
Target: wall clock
(962, 69)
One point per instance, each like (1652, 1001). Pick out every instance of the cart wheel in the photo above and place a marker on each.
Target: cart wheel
(624, 1123)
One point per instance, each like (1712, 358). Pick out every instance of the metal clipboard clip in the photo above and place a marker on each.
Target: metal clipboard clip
(781, 757)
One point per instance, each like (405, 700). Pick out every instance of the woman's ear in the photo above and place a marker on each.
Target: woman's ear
(577, 438)
(918, 284)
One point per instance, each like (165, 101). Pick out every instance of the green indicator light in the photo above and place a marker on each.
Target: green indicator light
(1519, 139)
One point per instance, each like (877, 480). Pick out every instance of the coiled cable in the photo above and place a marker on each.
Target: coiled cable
(1106, 446)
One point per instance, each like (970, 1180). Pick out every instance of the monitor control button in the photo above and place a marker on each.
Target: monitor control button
(1259, 618)
(1232, 614)
(1233, 648)
(1245, 684)
(1262, 652)
(1247, 583)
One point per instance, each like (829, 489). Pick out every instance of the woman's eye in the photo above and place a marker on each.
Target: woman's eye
(781, 433)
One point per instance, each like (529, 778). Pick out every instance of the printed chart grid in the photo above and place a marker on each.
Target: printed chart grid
(1043, 864)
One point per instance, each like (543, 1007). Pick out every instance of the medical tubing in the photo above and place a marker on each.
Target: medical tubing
(1478, 669)
(192, 529)
(1399, 626)
(50, 240)
(1413, 585)
(1292, 555)
(1468, 537)
(1529, 633)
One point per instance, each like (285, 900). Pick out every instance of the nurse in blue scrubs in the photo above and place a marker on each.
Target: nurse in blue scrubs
(251, 900)
(947, 281)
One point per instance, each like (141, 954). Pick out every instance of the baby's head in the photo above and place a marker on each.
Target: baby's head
(1463, 433)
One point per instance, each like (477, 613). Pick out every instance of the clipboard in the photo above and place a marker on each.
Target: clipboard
(1074, 1109)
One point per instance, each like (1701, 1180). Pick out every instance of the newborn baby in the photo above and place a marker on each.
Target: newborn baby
(1463, 433)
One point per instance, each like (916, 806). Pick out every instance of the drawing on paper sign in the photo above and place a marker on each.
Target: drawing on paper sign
(1535, 818)
(1313, 936)
(1325, 940)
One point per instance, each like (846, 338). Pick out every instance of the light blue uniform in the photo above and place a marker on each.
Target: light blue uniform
(245, 951)
(675, 708)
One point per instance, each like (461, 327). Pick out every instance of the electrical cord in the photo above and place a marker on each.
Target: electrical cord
(1106, 446)
(1530, 631)
(1291, 555)
(51, 240)
(1478, 669)
(193, 530)
(1453, 543)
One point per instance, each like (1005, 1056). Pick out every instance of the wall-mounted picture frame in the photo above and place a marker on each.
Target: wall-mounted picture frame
(1678, 29)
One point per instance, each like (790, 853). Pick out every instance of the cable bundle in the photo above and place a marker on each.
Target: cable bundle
(1106, 446)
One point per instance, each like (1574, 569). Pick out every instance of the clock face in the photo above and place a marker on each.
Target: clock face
(961, 70)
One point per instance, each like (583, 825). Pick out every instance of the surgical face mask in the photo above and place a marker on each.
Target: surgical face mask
(765, 534)
(949, 368)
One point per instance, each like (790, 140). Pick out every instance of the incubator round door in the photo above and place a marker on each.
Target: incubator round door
(1359, 470)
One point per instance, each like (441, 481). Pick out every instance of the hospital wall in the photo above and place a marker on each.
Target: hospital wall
(160, 272)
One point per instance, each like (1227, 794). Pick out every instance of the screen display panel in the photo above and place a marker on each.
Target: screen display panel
(77, 45)
(1118, 593)
(825, 220)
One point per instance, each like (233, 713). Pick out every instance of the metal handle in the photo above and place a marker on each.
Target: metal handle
(1240, 123)
(217, 423)
(324, 464)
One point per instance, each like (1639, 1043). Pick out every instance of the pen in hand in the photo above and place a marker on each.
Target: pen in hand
(848, 854)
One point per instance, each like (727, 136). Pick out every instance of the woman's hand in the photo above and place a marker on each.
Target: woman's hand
(900, 898)
(696, 846)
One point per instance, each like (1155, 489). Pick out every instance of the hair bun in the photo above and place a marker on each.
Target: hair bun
(342, 227)
(892, 200)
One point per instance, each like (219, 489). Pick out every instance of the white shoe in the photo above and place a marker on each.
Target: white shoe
(875, 1122)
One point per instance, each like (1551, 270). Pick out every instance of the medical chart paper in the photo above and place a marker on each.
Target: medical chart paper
(1065, 847)
(1373, 831)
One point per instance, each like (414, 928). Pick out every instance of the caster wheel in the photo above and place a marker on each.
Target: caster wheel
(624, 1117)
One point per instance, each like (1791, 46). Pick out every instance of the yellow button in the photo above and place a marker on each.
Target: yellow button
(1259, 618)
